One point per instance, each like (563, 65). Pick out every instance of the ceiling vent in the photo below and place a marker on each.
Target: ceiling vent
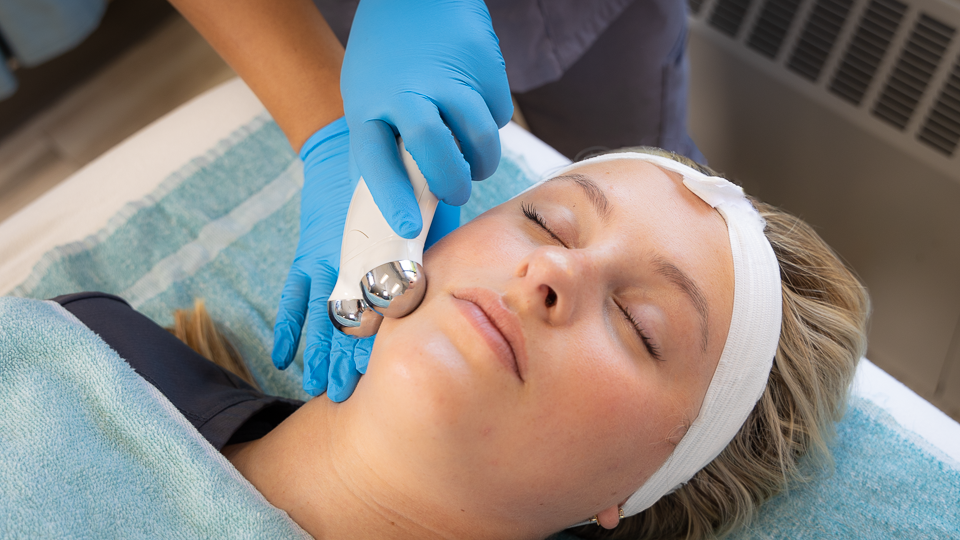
(818, 38)
(772, 26)
(918, 62)
(728, 15)
(867, 48)
(891, 66)
(941, 130)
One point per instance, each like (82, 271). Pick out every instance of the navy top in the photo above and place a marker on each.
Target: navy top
(588, 74)
(223, 408)
(539, 40)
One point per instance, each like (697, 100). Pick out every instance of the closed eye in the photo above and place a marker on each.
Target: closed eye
(652, 348)
(533, 215)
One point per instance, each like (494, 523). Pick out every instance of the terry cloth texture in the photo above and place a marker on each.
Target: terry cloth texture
(225, 227)
(90, 449)
(224, 408)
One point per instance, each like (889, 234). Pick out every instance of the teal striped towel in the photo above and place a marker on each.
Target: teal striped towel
(89, 449)
(224, 228)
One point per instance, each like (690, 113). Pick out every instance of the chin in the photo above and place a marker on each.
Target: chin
(425, 388)
(416, 374)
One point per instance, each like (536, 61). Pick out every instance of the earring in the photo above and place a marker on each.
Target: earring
(595, 521)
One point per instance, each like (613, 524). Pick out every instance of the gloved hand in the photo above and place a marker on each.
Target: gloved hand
(413, 68)
(332, 361)
(327, 189)
(328, 362)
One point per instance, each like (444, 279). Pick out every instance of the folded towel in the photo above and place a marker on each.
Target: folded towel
(90, 449)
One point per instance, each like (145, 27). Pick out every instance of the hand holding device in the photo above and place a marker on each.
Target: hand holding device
(333, 361)
(329, 363)
(381, 272)
(414, 68)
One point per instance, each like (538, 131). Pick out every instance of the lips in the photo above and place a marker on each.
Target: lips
(498, 326)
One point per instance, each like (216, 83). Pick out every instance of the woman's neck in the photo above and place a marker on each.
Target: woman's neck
(308, 467)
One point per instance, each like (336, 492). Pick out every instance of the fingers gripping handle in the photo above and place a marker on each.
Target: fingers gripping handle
(381, 273)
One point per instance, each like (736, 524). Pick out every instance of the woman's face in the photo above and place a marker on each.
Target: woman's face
(566, 341)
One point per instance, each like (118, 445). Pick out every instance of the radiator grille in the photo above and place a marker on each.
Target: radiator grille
(818, 37)
(772, 26)
(917, 63)
(867, 49)
(891, 66)
(728, 16)
(942, 127)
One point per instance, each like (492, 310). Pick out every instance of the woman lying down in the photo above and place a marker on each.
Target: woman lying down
(643, 352)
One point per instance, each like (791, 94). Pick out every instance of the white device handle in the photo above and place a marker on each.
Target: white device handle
(369, 242)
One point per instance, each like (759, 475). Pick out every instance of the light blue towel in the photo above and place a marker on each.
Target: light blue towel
(89, 449)
(224, 228)
(887, 484)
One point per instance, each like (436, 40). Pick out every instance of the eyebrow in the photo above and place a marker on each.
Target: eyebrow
(593, 192)
(687, 285)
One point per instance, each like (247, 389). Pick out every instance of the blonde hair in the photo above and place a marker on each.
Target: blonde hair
(196, 328)
(784, 440)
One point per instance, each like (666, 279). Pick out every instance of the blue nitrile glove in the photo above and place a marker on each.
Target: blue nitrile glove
(414, 68)
(327, 189)
(332, 361)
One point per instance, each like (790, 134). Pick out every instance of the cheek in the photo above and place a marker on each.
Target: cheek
(489, 241)
(606, 412)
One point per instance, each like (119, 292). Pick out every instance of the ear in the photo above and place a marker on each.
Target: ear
(609, 518)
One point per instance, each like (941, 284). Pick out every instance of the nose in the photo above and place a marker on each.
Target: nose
(549, 283)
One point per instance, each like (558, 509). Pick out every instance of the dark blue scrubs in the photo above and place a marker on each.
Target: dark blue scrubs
(588, 74)
(224, 408)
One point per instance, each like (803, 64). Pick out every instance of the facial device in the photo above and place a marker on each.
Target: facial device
(381, 273)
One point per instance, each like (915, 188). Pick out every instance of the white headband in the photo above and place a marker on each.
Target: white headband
(751, 344)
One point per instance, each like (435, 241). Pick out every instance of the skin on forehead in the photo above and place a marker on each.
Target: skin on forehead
(594, 414)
